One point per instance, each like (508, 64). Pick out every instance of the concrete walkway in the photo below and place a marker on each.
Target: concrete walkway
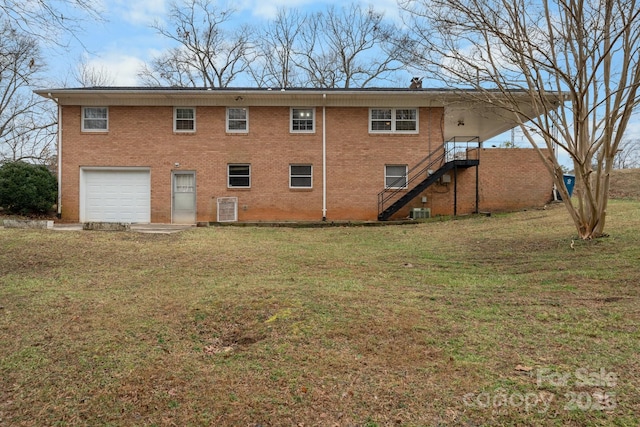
(160, 228)
(139, 228)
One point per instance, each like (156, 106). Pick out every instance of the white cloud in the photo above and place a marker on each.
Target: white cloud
(267, 9)
(139, 12)
(633, 128)
(120, 67)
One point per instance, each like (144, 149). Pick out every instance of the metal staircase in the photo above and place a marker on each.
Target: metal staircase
(428, 171)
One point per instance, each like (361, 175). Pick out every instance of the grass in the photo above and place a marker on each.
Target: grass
(625, 183)
(487, 321)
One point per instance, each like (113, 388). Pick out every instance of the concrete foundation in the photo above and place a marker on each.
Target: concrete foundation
(106, 226)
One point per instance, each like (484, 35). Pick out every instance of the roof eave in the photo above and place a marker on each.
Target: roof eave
(254, 97)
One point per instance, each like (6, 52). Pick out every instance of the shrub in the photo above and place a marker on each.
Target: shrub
(27, 188)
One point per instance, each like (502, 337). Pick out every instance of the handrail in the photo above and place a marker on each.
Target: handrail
(454, 151)
(391, 190)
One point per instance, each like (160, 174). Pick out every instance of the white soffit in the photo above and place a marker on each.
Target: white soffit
(250, 97)
(479, 118)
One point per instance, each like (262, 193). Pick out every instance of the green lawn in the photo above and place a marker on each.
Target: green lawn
(483, 321)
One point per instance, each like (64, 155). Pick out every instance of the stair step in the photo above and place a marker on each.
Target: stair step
(424, 184)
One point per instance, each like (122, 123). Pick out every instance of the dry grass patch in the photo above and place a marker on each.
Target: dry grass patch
(402, 325)
(625, 183)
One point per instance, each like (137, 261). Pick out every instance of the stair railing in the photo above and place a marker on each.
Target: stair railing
(401, 184)
(447, 152)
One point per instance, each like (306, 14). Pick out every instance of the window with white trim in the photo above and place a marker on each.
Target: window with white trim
(395, 176)
(239, 176)
(300, 176)
(184, 119)
(303, 120)
(393, 120)
(95, 119)
(238, 120)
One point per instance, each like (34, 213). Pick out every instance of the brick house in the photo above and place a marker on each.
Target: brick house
(172, 155)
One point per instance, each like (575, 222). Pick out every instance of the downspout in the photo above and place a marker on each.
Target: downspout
(455, 190)
(478, 179)
(324, 157)
(555, 187)
(59, 151)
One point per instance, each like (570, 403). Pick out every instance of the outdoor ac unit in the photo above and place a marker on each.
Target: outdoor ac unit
(420, 213)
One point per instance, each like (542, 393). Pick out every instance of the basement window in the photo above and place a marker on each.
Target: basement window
(239, 176)
(300, 176)
(395, 176)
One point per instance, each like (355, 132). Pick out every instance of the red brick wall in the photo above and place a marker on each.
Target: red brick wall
(144, 137)
(356, 159)
(509, 179)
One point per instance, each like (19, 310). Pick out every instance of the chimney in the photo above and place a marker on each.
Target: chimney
(416, 83)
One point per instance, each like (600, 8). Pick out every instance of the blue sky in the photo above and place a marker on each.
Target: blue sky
(125, 41)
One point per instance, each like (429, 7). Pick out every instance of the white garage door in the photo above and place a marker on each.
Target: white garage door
(115, 195)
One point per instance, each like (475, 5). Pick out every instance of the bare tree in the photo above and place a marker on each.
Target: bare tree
(49, 20)
(26, 123)
(346, 48)
(276, 49)
(317, 64)
(32, 135)
(172, 68)
(88, 75)
(207, 55)
(628, 154)
(505, 50)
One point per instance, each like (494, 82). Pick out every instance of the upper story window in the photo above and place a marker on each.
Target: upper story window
(95, 119)
(303, 120)
(239, 176)
(238, 120)
(184, 119)
(300, 176)
(390, 120)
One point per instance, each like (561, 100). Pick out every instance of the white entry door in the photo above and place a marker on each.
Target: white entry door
(184, 198)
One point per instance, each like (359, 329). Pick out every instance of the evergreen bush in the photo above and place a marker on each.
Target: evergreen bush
(26, 188)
